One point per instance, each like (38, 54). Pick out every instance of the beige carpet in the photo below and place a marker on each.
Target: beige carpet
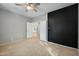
(35, 47)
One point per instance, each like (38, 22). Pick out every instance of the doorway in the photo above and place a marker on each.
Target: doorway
(33, 29)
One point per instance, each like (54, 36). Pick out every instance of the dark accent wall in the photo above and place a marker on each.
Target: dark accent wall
(63, 26)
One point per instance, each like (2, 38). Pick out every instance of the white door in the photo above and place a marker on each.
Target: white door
(43, 30)
(29, 30)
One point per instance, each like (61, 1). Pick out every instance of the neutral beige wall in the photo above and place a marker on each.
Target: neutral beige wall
(12, 26)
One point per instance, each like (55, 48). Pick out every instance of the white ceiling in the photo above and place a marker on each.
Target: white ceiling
(43, 8)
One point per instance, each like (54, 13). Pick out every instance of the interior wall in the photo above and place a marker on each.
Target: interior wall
(12, 26)
(63, 26)
(78, 25)
(42, 27)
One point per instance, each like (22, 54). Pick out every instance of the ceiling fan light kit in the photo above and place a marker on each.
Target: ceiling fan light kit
(29, 6)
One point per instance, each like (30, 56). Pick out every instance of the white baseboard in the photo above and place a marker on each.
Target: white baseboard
(9, 42)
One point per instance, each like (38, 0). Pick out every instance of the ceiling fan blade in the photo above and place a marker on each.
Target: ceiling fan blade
(34, 3)
(18, 4)
(35, 10)
(37, 3)
(21, 4)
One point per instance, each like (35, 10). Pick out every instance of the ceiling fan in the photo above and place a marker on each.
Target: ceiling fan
(29, 6)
